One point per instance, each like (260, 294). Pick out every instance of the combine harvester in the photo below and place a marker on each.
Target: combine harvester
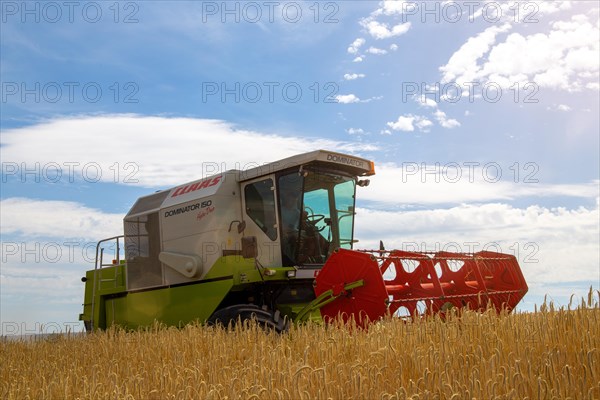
(274, 244)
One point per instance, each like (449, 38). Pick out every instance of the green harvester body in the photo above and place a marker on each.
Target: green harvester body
(274, 243)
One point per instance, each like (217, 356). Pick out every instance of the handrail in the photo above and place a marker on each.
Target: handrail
(100, 252)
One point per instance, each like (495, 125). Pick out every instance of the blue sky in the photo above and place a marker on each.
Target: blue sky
(482, 118)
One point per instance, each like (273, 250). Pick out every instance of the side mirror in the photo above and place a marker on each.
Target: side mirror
(241, 225)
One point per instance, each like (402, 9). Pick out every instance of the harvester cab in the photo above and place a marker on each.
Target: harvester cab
(274, 243)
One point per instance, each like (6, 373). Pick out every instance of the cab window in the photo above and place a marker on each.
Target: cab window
(260, 206)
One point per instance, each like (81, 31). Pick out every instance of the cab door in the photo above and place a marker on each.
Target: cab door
(260, 214)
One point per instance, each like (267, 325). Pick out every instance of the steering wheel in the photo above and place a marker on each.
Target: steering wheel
(311, 216)
(314, 219)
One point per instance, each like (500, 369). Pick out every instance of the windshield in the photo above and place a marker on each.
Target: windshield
(316, 214)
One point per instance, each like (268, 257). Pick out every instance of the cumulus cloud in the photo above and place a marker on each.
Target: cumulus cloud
(200, 147)
(351, 98)
(356, 45)
(462, 182)
(355, 131)
(559, 107)
(358, 59)
(527, 13)
(425, 101)
(47, 291)
(404, 123)
(50, 219)
(380, 30)
(462, 66)
(444, 121)
(351, 77)
(564, 58)
(408, 122)
(423, 124)
(347, 98)
(376, 51)
(393, 7)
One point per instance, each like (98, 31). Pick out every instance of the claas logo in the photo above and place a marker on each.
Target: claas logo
(196, 186)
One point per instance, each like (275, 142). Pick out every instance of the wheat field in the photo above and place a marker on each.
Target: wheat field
(551, 353)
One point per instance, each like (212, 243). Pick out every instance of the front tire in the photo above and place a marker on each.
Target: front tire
(240, 313)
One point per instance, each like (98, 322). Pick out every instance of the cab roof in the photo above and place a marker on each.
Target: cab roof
(208, 186)
(354, 165)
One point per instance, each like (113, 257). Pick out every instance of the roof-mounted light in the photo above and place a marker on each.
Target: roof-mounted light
(371, 168)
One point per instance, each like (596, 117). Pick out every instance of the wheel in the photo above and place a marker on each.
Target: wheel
(315, 218)
(249, 312)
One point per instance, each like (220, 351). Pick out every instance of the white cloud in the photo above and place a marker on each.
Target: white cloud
(45, 290)
(489, 221)
(551, 7)
(425, 101)
(200, 146)
(563, 107)
(559, 107)
(462, 66)
(383, 30)
(462, 182)
(393, 47)
(351, 77)
(565, 58)
(62, 219)
(347, 98)
(355, 131)
(393, 7)
(593, 86)
(443, 120)
(370, 99)
(408, 122)
(358, 59)
(404, 123)
(356, 45)
(380, 30)
(529, 12)
(351, 98)
(376, 51)
(423, 124)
